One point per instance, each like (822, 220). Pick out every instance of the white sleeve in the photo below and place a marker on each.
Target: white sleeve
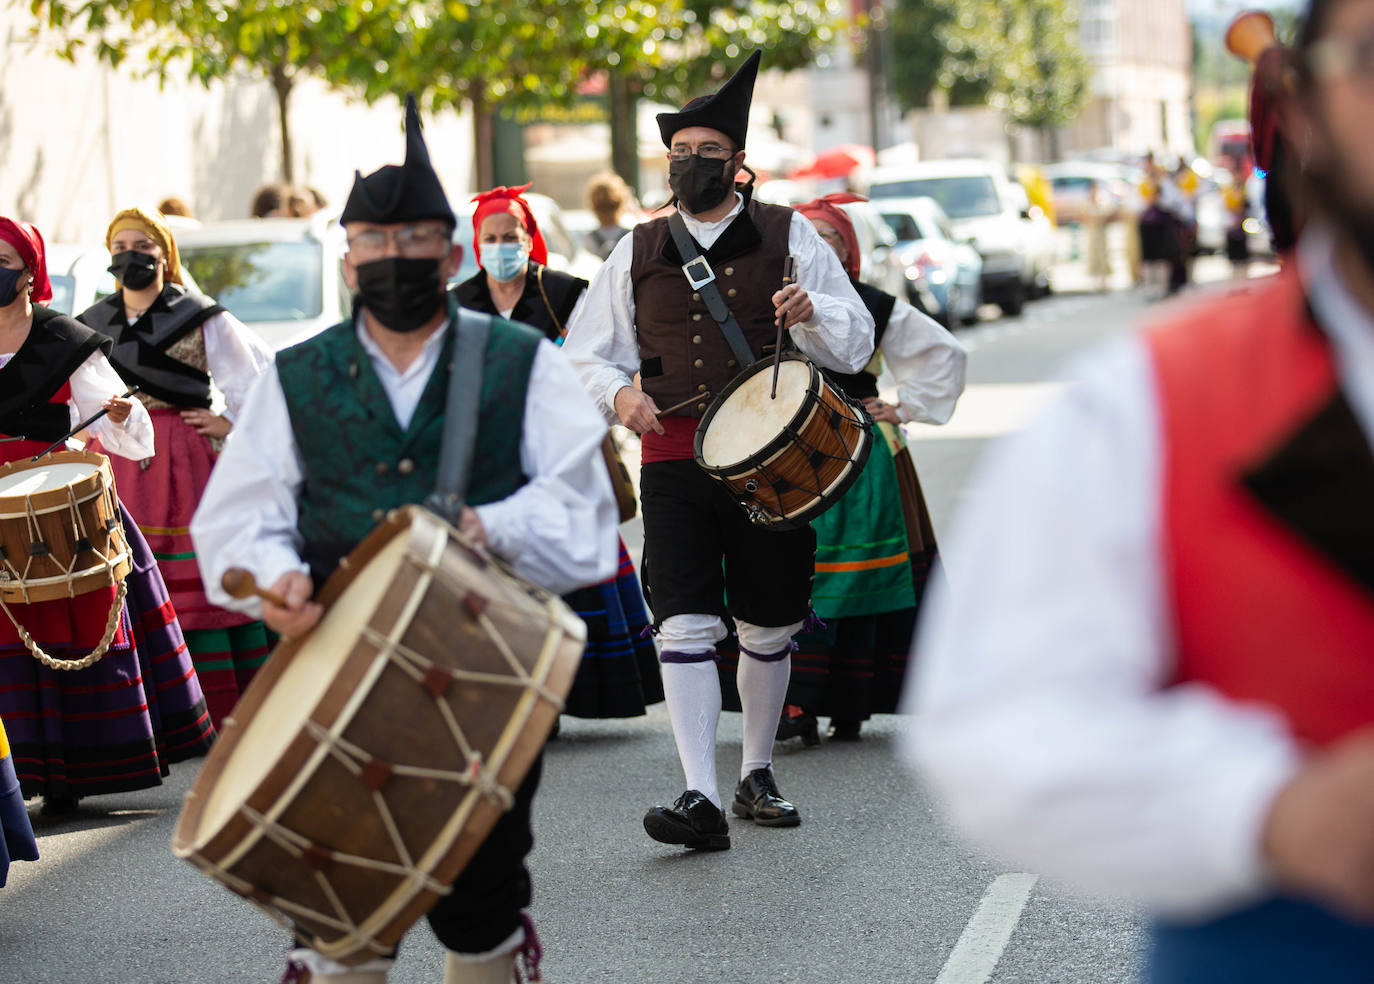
(235, 356)
(927, 362)
(247, 516)
(560, 529)
(94, 382)
(1045, 719)
(601, 341)
(839, 335)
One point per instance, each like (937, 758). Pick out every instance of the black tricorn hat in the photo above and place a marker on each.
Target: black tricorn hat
(409, 192)
(727, 110)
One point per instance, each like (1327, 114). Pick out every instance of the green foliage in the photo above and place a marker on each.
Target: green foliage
(1021, 56)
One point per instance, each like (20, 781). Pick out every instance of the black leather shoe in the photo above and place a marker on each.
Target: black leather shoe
(841, 730)
(801, 724)
(692, 821)
(58, 806)
(757, 798)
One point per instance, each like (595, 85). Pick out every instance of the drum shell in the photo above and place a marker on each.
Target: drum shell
(829, 421)
(374, 705)
(60, 524)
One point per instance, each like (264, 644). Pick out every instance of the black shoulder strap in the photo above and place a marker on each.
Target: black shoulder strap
(461, 409)
(703, 280)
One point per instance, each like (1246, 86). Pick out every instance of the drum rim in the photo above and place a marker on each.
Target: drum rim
(778, 441)
(216, 853)
(86, 487)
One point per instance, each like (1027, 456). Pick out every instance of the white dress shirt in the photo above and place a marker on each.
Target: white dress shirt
(601, 339)
(235, 355)
(1041, 718)
(559, 530)
(927, 362)
(94, 382)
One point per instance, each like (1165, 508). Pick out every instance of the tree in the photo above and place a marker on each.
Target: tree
(280, 41)
(449, 52)
(1020, 56)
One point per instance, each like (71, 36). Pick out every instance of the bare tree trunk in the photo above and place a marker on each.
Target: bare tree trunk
(282, 83)
(484, 163)
(624, 138)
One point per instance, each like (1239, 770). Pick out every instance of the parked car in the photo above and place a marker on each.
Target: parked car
(281, 277)
(879, 263)
(936, 262)
(79, 276)
(990, 212)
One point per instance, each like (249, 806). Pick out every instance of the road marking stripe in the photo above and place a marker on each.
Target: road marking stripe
(987, 934)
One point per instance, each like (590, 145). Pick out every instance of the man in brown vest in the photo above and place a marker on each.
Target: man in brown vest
(649, 311)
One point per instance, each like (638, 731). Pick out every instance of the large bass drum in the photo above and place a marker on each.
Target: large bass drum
(367, 761)
(785, 460)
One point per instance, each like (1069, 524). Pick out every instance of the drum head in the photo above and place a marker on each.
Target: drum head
(747, 419)
(265, 737)
(45, 476)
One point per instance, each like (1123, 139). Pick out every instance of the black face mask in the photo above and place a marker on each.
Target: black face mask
(9, 286)
(402, 293)
(133, 269)
(699, 183)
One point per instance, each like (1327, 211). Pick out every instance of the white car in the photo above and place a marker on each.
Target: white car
(987, 210)
(280, 277)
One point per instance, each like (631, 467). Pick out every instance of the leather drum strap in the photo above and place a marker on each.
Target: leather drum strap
(461, 409)
(703, 280)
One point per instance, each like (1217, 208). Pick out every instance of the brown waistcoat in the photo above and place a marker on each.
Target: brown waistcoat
(681, 349)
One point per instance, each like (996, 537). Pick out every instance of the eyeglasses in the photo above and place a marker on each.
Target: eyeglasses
(410, 240)
(1334, 57)
(680, 152)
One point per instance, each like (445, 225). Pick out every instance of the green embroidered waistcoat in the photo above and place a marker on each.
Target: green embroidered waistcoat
(359, 463)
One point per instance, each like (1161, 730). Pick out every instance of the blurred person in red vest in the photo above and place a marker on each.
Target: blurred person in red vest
(1156, 679)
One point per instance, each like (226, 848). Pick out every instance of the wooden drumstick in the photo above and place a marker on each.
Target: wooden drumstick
(789, 268)
(241, 584)
(678, 406)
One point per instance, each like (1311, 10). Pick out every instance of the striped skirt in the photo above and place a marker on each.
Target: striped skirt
(16, 834)
(226, 648)
(114, 726)
(618, 676)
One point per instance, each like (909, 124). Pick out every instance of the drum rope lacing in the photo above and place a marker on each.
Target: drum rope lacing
(91, 658)
(779, 484)
(79, 533)
(477, 776)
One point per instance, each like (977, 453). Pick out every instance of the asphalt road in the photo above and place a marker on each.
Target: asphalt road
(870, 888)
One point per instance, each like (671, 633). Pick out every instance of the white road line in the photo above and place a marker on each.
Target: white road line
(983, 940)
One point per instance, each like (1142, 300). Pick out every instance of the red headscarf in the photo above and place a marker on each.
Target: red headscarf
(28, 241)
(500, 201)
(827, 209)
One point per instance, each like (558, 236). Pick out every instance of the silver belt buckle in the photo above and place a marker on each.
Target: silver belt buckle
(698, 280)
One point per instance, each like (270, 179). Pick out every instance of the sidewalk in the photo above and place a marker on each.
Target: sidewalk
(1069, 274)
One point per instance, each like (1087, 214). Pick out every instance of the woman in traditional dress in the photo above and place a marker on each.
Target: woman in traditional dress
(875, 548)
(619, 674)
(175, 344)
(118, 724)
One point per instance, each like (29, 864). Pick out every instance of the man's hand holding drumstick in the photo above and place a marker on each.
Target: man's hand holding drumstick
(286, 606)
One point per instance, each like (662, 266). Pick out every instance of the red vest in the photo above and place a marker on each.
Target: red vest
(1268, 509)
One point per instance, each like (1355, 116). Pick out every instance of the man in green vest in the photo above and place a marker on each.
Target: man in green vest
(350, 426)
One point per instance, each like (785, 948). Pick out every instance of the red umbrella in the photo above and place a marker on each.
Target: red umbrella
(837, 162)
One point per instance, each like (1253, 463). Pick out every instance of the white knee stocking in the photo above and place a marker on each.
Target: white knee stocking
(762, 689)
(692, 692)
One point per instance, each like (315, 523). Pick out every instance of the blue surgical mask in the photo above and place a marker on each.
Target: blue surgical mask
(9, 285)
(505, 261)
